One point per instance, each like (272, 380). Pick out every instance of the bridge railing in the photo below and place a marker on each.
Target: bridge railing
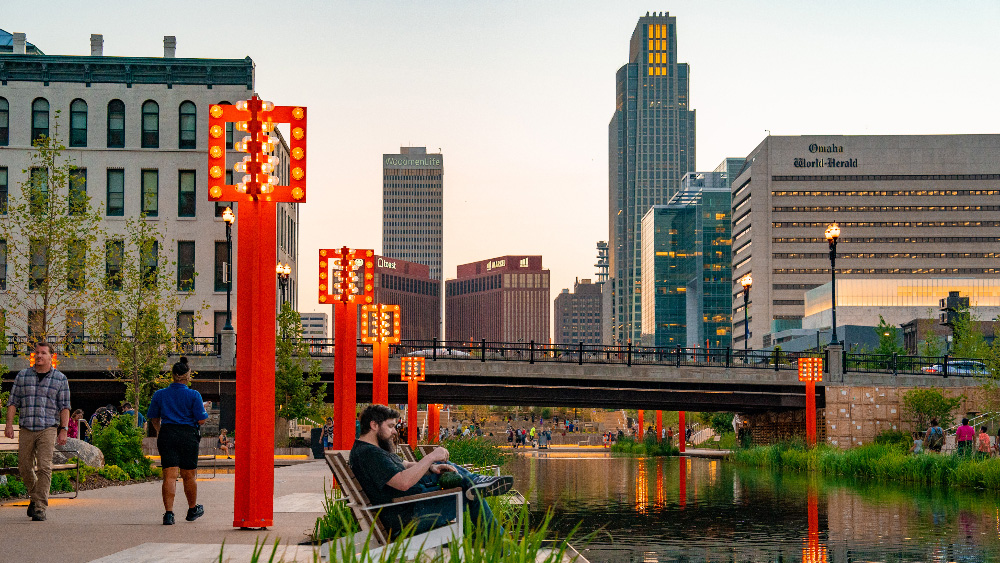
(19, 345)
(895, 364)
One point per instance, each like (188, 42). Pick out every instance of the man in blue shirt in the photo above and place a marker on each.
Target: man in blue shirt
(177, 414)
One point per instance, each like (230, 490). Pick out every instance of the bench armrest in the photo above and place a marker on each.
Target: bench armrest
(418, 498)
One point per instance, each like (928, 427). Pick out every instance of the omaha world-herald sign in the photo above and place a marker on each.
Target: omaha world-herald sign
(828, 162)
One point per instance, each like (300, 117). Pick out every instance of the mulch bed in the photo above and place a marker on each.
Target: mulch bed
(93, 482)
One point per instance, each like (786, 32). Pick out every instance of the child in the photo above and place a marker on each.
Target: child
(918, 443)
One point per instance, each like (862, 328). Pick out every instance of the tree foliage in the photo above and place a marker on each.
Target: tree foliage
(298, 392)
(921, 405)
(888, 338)
(967, 340)
(51, 236)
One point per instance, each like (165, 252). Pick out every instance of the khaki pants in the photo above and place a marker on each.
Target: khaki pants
(34, 462)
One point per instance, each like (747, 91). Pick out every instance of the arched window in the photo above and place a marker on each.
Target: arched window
(150, 125)
(188, 125)
(4, 122)
(39, 118)
(78, 123)
(116, 124)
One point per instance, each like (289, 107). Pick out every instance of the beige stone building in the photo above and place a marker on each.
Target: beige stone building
(910, 207)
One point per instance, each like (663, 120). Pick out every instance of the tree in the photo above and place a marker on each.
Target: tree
(921, 405)
(141, 306)
(888, 338)
(298, 392)
(967, 338)
(50, 236)
(932, 345)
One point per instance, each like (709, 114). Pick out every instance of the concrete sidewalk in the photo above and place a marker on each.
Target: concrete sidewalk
(124, 524)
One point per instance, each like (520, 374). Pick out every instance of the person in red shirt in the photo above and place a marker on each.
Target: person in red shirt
(964, 436)
(983, 445)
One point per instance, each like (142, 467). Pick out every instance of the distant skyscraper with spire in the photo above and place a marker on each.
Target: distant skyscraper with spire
(651, 147)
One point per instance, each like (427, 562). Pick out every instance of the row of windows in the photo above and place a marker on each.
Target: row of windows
(888, 271)
(399, 283)
(149, 191)
(824, 224)
(886, 239)
(789, 302)
(883, 177)
(881, 193)
(75, 323)
(78, 123)
(880, 255)
(880, 208)
(794, 286)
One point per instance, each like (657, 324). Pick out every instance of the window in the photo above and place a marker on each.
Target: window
(220, 322)
(185, 265)
(221, 259)
(76, 265)
(149, 261)
(39, 190)
(229, 132)
(116, 124)
(39, 119)
(78, 123)
(116, 193)
(38, 270)
(114, 255)
(221, 206)
(74, 325)
(3, 265)
(77, 191)
(185, 194)
(112, 324)
(188, 125)
(150, 125)
(185, 324)
(149, 195)
(36, 323)
(3, 190)
(4, 122)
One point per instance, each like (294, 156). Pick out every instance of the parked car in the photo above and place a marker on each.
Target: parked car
(958, 367)
(441, 353)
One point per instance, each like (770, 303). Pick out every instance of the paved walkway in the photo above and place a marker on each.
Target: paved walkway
(124, 524)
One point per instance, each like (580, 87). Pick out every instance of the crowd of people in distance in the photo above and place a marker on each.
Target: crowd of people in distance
(967, 442)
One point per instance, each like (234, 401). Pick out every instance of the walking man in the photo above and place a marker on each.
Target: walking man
(41, 393)
(177, 414)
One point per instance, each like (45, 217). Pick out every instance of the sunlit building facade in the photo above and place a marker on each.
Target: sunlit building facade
(413, 206)
(651, 147)
(503, 299)
(686, 266)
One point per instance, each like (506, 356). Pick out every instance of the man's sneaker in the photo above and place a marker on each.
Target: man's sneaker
(195, 513)
(488, 486)
(168, 518)
(31, 509)
(38, 516)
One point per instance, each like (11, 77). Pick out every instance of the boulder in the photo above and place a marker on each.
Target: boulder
(88, 453)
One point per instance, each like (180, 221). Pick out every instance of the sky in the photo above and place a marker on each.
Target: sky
(518, 94)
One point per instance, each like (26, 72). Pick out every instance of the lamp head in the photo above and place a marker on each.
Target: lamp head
(280, 269)
(832, 232)
(746, 281)
(287, 270)
(228, 216)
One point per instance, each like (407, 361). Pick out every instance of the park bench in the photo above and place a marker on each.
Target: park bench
(374, 537)
(9, 445)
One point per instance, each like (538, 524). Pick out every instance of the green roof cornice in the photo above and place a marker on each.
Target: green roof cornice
(126, 70)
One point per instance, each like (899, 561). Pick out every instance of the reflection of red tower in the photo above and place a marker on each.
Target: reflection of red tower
(813, 551)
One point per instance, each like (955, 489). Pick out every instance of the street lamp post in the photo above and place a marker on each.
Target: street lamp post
(229, 217)
(283, 270)
(746, 281)
(832, 234)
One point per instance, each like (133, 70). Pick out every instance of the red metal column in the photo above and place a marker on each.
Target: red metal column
(411, 413)
(380, 373)
(659, 425)
(811, 413)
(681, 431)
(434, 424)
(345, 359)
(642, 427)
(255, 324)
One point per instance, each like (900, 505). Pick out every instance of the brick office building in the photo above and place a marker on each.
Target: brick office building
(503, 299)
(577, 315)
(409, 285)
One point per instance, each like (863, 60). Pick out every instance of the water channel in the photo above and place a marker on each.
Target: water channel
(696, 509)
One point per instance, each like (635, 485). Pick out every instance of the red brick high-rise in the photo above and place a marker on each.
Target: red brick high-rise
(504, 299)
(409, 285)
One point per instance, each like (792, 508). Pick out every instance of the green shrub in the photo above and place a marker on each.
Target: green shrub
(13, 488)
(479, 452)
(60, 482)
(630, 447)
(113, 472)
(895, 437)
(337, 520)
(121, 443)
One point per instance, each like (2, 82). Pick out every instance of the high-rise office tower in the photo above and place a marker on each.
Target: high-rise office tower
(412, 207)
(651, 147)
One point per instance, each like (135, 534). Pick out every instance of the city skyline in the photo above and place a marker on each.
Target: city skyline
(490, 86)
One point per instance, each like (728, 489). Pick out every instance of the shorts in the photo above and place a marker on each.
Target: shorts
(178, 445)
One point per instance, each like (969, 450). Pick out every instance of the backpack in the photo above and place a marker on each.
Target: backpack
(935, 438)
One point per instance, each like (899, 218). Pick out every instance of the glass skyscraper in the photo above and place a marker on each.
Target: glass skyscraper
(651, 147)
(412, 207)
(686, 266)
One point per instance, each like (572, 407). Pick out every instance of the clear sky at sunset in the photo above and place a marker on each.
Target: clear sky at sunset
(518, 94)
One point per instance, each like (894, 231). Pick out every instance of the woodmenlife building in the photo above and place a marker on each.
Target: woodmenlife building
(911, 208)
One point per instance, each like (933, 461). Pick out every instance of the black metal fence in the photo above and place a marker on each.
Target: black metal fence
(90, 346)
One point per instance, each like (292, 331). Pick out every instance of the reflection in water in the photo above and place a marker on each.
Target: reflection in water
(692, 509)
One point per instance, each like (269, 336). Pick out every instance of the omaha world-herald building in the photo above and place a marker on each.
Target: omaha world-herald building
(503, 299)
(136, 128)
(909, 207)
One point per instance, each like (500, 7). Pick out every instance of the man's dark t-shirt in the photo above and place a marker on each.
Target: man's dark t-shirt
(374, 468)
